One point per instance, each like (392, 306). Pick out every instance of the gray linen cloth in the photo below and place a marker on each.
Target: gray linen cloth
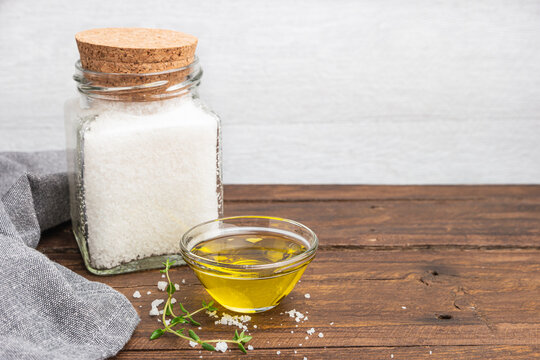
(46, 310)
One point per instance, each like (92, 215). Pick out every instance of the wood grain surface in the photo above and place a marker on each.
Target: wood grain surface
(403, 272)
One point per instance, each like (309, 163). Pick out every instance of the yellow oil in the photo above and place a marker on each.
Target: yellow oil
(244, 290)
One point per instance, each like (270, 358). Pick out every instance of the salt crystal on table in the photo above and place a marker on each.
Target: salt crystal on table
(221, 346)
(136, 294)
(321, 335)
(183, 281)
(311, 331)
(162, 285)
(307, 296)
(404, 307)
(148, 292)
(278, 352)
(250, 347)
(192, 343)
(177, 287)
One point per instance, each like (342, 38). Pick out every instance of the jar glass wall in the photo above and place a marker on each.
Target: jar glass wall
(144, 164)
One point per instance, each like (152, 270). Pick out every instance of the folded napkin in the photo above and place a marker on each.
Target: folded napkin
(46, 310)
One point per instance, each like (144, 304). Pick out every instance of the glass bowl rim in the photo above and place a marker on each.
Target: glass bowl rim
(297, 259)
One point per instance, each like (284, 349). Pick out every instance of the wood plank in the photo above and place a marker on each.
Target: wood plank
(412, 352)
(425, 223)
(291, 193)
(492, 298)
(504, 222)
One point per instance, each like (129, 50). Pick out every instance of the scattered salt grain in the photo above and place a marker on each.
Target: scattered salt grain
(321, 335)
(136, 294)
(154, 311)
(173, 301)
(292, 332)
(311, 331)
(163, 276)
(278, 352)
(221, 346)
(250, 347)
(167, 322)
(254, 326)
(162, 285)
(298, 316)
(148, 292)
(307, 296)
(192, 343)
(404, 307)
(430, 352)
(183, 281)
(140, 306)
(307, 337)
(296, 352)
(332, 323)
(305, 358)
(299, 344)
(236, 320)
(200, 328)
(391, 356)
(177, 287)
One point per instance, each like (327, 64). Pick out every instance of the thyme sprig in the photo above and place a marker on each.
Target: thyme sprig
(187, 318)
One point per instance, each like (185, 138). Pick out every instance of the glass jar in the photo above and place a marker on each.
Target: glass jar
(144, 165)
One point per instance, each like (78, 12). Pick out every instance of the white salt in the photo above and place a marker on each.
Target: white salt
(250, 347)
(176, 287)
(154, 311)
(192, 343)
(321, 335)
(150, 173)
(162, 285)
(307, 296)
(311, 331)
(221, 346)
(136, 294)
(278, 352)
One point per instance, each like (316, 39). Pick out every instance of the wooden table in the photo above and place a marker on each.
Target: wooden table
(402, 272)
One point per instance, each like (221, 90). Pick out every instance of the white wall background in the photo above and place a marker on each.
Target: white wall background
(315, 91)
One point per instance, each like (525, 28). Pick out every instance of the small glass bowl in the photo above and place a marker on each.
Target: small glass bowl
(254, 287)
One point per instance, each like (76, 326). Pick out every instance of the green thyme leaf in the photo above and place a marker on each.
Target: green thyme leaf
(242, 348)
(182, 308)
(170, 289)
(245, 339)
(178, 320)
(157, 333)
(193, 321)
(193, 335)
(207, 346)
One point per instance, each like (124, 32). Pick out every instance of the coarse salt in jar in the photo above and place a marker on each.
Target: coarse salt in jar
(144, 157)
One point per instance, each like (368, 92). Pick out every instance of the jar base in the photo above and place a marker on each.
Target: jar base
(149, 263)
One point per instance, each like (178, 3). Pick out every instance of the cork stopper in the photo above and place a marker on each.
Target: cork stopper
(134, 50)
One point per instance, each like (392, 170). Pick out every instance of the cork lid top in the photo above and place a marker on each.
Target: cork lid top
(134, 50)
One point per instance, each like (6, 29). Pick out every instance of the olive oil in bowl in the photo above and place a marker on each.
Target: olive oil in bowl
(251, 266)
